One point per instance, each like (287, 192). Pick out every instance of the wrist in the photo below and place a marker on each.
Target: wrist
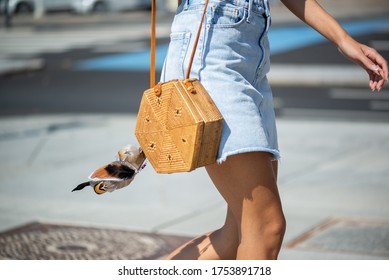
(344, 41)
(341, 38)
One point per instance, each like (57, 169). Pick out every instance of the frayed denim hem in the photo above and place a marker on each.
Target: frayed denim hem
(275, 153)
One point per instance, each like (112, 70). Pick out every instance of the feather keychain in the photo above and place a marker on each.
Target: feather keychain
(117, 174)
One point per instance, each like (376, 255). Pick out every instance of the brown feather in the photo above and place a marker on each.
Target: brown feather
(114, 170)
(101, 173)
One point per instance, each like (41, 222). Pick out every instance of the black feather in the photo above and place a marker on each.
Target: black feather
(120, 171)
(81, 186)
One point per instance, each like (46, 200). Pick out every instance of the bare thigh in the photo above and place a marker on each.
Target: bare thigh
(247, 178)
(231, 225)
(248, 184)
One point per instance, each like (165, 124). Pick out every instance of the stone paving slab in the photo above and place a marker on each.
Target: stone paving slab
(353, 237)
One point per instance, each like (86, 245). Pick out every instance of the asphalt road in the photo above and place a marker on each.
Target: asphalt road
(61, 88)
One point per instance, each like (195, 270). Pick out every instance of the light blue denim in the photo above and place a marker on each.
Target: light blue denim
(232, 60)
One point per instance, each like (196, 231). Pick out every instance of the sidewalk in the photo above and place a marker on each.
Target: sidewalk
(333, 176)
(329, 170)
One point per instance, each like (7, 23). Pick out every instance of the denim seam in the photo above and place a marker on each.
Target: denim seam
(275, 153)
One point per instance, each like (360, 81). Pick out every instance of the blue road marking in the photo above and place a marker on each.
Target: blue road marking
(282, 39)
(285, 39)
(134, 61)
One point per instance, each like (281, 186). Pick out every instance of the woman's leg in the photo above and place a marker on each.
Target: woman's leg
(224, 242)
(248, 184)
(220, 244)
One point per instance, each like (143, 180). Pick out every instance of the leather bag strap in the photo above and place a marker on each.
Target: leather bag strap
(153, 42)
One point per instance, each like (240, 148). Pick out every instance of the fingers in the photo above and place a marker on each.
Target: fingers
(371, 80)
(369, 59)
(377, 68)
(377, 79)
(380, 65)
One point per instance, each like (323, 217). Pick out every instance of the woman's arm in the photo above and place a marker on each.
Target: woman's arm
(314, 15)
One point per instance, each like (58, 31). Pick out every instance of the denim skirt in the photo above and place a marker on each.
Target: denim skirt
(231, 61)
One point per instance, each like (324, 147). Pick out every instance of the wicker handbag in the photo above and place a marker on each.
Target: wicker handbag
(178, 124)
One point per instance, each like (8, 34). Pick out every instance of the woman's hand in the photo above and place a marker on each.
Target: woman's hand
(369, 59)
(314, 15)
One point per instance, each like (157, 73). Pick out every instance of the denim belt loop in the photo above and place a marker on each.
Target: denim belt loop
(249, 11)
(186, 4)
(267, 13)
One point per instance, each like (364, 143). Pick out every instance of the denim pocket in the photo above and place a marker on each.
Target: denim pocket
(178, 49)
(226, 15)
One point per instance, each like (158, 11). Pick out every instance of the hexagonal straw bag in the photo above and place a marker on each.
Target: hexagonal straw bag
(178, 124)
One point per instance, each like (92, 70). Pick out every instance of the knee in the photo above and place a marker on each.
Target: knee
(276, 227)
(262, 240)
(272, 229)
